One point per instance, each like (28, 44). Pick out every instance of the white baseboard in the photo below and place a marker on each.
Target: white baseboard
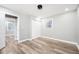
(20, 41)
(60, 40)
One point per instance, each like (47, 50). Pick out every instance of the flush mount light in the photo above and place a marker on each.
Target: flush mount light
(66, 9)
(39, 6)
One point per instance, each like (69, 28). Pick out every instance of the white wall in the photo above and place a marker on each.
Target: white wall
(64, 27)
(36, 28)
(24, 27)
(78, 25)
(2, 30)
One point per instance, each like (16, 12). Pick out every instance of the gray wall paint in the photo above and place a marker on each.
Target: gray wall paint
(24, 27)
(64, 27)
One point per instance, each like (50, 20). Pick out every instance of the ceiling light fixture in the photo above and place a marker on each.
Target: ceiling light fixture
(39, 6)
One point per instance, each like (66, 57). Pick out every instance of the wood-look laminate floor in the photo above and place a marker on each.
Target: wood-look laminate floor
(38, 46)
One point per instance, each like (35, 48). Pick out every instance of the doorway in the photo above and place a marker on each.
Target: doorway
(11, 28)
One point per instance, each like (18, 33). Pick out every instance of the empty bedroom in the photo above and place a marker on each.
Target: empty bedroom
(39, 29)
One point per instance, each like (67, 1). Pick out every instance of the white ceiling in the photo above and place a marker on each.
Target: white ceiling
(48, 9)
